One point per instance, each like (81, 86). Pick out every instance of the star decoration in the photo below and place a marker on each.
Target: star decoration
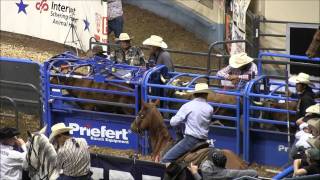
(86, 24)
(22, 7)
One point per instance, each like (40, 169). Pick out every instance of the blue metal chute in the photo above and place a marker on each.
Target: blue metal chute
(100, 77)
(223, 136)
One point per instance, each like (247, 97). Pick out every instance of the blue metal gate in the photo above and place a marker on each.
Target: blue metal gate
(98, 127)
(221, 136)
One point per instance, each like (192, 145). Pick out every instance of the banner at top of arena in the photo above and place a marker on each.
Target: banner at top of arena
(51, 19)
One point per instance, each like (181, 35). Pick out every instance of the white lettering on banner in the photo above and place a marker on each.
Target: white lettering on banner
(102, 134)
(97, 173)
(148, 177)
(116, 175)
(282, 148)
(51, 19)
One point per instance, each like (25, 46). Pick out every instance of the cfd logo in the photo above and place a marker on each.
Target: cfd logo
(43, 5)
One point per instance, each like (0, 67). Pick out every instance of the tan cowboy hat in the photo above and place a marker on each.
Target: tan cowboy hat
(239, 60)
(57, 129)
(315, 109)
(314, 142)
(201, 88)
(154, 40)
(124, 37)
(302, 78)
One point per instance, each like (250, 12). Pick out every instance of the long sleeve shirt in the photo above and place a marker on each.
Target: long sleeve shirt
(74, 157)
(197, 116)
(11, 162)
(243, 75)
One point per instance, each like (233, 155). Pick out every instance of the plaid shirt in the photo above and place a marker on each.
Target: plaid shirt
(243, 75)
(74, 157)
(114, 9)
(133, 56)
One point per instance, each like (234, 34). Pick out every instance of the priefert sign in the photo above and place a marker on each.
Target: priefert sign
(102, 134)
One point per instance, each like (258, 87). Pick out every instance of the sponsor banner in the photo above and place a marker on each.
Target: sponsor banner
(114, 168)
(111, 134)
(239, 11)
(51, 20)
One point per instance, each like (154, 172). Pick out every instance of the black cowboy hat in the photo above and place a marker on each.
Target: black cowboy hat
(8, 132)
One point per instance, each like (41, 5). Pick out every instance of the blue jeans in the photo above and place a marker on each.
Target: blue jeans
(180, 148)
(115, 25)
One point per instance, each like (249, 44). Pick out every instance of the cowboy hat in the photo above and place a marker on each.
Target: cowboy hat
(201, 88)
(239, 60)
(8, 132)
(154, 40)
(302, 78)
(315, 109)
(124, 37)
(57, 129)
(314, 142)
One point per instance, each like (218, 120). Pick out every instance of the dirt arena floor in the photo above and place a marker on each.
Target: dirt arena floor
(138, 23)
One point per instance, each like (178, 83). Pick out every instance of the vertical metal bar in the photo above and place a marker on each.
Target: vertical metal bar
(238, 124)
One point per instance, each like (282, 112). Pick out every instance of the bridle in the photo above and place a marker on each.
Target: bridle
(140, 118)
(31, 150)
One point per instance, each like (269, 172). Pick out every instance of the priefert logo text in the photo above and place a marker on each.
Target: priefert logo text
(103, 132)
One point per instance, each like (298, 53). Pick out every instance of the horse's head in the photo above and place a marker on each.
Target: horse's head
(41, 156)
(148, 117)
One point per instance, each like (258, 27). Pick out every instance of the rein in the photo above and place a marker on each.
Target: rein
(29, 153)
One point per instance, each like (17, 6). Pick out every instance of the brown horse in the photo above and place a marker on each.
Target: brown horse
(108, 98)
(314, 47)
(150, 119)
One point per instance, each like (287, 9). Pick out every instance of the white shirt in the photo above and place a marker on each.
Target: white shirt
(11, 162)
(197, 114)
(302, 138)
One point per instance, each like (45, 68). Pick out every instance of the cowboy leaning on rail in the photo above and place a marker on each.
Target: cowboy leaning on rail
(11, 160)
(197, 116)
(128, 54)
(304, 93)
(73, 156)
(241, 68)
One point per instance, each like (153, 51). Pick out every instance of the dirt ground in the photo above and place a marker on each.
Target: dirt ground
(138, 23)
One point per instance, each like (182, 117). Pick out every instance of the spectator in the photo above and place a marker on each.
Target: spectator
(73, 156)
(11, 160)
(304, 93)
(312, 112)
(97, 50)
(314, 126)
(215, 168)
(314, 142)
(240, 69)
(158, 55)
(309, 164)
(115, 17)
(128, 54)
(302, 136)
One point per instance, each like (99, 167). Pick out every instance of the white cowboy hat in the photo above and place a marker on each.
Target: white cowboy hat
(239, 60)
(315, 109)
(302, 78)
(124, 37)
(201, 88)
(154, 40)
(57, 129)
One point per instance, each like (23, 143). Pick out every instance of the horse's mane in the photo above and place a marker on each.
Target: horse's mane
(41, 157)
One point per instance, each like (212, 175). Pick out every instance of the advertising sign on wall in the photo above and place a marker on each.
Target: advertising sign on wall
(52, 19)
